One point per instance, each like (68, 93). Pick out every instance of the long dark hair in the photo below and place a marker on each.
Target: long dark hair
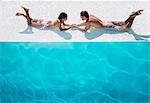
(85, 14)
(62, 15)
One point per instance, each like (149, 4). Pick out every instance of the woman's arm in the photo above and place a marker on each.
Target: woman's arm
(66, 24)
(63, 29)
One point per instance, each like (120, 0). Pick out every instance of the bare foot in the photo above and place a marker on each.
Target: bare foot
(138, 12)
(24, 8)
(18, 14)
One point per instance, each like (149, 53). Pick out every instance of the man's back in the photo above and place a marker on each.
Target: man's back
(95, 22)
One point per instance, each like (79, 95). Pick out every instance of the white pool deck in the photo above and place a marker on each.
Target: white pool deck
(12, 28)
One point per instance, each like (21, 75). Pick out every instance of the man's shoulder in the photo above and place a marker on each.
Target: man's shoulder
(91, 15)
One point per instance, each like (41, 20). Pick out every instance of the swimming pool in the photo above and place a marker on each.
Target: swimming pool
(112, 72)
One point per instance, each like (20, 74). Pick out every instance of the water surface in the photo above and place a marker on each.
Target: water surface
(74, 72)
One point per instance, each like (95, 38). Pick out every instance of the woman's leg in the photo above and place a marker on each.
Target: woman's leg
(21, 14)
(33, 22)
(29, 19)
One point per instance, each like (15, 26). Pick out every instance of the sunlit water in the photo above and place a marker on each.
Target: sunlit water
(74, 72)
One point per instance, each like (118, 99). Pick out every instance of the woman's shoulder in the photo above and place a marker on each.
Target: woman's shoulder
(57, 21)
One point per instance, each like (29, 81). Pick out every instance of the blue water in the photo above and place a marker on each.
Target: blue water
(75, 72)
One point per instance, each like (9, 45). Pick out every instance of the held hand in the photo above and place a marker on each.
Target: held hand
(74, 25)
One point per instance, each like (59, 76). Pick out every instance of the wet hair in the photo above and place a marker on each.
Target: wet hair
(62, 15)
(85, 14)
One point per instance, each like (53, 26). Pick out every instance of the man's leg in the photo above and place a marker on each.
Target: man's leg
(131, 18)
(118, 23)
(129, 22)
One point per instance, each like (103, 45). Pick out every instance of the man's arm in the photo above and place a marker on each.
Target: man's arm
(82, 24)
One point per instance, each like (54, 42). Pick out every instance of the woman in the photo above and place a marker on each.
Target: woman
(59, 23)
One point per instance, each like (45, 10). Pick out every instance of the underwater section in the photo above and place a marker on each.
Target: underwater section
(76, 72)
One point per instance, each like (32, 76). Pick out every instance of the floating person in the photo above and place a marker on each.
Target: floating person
(59, 23)
(93, 21)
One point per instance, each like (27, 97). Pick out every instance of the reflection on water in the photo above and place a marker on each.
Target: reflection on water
(92, 34)
(28, 30)
(64, 34)
(74, 72)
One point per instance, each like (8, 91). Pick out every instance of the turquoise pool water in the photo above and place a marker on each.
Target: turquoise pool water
(75, 72)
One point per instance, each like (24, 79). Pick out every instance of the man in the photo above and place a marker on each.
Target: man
(93, 21)
(59, 23)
